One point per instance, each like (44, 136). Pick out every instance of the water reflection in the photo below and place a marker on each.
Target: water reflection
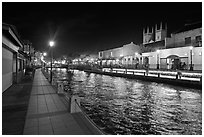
(123, 106)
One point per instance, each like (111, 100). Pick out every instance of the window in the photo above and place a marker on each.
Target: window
(198, 40)
(20, 64)
(128, 58)
(100, 54)
(187, 40)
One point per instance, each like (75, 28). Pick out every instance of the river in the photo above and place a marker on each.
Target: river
(125, 106)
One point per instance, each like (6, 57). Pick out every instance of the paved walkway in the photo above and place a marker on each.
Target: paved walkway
(14, 107)
(48, 114)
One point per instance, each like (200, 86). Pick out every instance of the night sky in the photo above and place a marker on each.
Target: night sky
(91, 27)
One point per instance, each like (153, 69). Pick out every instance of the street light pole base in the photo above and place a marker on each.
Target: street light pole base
(157, 66)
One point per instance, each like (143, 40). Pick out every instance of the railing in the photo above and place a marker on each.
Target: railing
(158, 73)
(169, 67)
(89, 119)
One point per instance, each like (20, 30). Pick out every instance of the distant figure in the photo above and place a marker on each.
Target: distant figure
(136, 65)
(179, 74)
(184, 65)
(111, 67)
(147, 69)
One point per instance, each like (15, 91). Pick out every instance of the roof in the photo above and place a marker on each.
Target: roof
(188, 27)
(11, 32)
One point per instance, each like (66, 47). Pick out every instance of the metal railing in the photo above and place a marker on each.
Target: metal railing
(157, 73)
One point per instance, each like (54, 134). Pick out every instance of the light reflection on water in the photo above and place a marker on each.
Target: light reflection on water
(123, 106)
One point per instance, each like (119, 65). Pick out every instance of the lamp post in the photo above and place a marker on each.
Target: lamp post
(191, 58)
(44, 54)
(51, 44)
(158, 59)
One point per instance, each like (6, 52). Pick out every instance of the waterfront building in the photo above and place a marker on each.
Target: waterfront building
(182, 50)
(155, 38)
(111, 56)
(175, 58)
(189, 35)
(13, 60)
(131, 55)
(127, 55)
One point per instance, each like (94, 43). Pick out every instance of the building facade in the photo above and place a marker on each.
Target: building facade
(29, 51)
(175, 58)
(189, 35)
(12, 59)
(183, 50)
(123, 56)
(154, 39)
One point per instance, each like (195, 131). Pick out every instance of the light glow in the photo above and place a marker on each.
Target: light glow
(44, 54)
(51, 43)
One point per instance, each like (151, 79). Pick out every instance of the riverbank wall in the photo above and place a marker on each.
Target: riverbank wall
(74, 107)
(176, 82)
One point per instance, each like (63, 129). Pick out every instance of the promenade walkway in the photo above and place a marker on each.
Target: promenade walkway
(48, 114)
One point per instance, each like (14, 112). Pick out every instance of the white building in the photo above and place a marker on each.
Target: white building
(128, 54)
(171, 58)
(189, 35)
(183, 49)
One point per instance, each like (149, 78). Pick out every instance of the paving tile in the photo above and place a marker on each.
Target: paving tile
(31, 131)
(43, 102)
(31, 123)
(58, 125)
(61, 132)
(45, 129)
(44, 121)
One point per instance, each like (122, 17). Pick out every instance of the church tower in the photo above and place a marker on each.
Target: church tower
(148, 35)
(160, 32)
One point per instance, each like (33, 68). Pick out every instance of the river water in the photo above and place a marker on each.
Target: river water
(125, 106)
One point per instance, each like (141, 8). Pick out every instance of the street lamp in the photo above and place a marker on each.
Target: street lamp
(44, 54)
(191, 58)
(51, 44)
(158, 59)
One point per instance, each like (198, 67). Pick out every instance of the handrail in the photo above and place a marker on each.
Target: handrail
(102, 132)
(164, 73)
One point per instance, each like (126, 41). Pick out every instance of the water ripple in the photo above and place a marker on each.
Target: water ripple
(123, 106)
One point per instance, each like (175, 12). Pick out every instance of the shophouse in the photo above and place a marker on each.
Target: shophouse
(29, 51)
(12, 59)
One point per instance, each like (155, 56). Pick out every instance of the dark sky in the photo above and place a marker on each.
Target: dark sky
(90, 27)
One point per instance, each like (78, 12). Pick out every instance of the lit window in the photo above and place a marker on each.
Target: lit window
(198, 40)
